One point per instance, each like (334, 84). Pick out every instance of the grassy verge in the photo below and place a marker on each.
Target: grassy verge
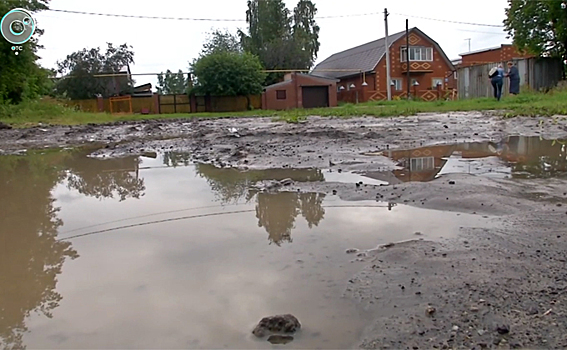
(527, 104)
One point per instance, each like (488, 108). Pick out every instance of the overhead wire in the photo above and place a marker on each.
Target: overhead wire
(243, 20)
(198, 216)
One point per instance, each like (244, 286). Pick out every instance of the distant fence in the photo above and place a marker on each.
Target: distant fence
(169, 104)
(535, 73)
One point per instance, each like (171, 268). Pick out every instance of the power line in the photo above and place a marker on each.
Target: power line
(150, 17)
(451, 21)
(242, 20)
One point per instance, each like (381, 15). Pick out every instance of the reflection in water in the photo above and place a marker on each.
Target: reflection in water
(525, 156)
(277, 213)
(31, 258)
(105, 178)
(231, 184)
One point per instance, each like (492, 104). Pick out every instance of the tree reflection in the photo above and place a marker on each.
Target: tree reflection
(31, 258)
(174, 159)
(105, 178)
(312, 208)
(276, 212)
(231, 185)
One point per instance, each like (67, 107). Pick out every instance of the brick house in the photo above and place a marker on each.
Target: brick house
(429, 67)
(502, 53)
(300, 91)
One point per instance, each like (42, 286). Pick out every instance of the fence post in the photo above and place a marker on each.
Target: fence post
(193, 102)
(100, 103)
(208, 104)
(156, 101)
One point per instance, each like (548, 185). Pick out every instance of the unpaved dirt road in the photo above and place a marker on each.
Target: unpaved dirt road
(502, 287)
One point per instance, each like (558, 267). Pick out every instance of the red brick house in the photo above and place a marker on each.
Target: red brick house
(300, 91)
(502, 53)
(429, 67)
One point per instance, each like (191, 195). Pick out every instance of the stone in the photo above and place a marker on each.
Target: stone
(5, 126)
(503, 329)
(430, 311)
(274, 325)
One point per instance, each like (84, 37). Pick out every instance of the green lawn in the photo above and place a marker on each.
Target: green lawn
(527, 104)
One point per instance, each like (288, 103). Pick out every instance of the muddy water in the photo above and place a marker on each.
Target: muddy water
(155, 252)
(515, 157)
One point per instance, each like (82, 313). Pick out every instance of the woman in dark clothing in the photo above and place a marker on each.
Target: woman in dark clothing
(514, 76)
(497, 81)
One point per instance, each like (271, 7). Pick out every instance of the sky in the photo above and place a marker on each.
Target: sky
(171, 44)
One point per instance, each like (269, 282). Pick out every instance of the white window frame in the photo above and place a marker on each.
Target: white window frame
(417, 54)
(397, 84)
(434, 82)
(422, 164)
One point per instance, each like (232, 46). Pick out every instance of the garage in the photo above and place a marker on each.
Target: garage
(300, 91)
(315, 96)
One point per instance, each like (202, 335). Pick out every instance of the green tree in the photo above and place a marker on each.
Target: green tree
(538, 26)
(172, 83)
(228, 74)
(20, 76)
(222, 41)
(281, 39)
(82, 66)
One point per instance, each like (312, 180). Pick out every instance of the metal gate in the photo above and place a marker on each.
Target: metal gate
(315, 96)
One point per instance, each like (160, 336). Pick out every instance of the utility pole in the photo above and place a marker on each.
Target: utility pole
(387, 48)
(469, 40)
(408, 59)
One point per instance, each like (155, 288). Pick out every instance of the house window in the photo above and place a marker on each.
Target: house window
(417, 53)
(455, 75)
(281, 94)
(397, 84)
(437, 81)
(422, 164)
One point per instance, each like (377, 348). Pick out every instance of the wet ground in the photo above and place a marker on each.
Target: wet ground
(130, 243)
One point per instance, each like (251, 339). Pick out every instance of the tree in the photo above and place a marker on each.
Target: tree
(538, 26)
(280, 39)
(219, 41)
(20, 76)
(228, 74)
(172, 83)
(82, 65)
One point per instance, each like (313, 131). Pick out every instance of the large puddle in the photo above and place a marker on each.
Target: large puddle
(145, 252)
(513, 157)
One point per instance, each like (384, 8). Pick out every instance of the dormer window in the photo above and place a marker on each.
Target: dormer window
(417, 53)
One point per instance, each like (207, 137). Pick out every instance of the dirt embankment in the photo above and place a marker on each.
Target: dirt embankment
(504, 286)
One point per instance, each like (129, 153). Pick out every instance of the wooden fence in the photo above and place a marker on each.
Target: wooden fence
(535, 73)
(169, 104)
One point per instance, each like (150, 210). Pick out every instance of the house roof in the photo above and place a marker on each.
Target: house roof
(364, 58)
(485, 50)
(322, 80)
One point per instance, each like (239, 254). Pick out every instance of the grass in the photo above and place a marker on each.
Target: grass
(527, 104)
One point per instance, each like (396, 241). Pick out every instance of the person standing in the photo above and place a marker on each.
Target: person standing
(497, 81)
(514, 76)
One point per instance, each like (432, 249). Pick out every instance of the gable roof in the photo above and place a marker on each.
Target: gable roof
(313, 77)
(365, 58)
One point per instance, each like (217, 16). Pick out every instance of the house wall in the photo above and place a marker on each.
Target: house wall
(440, 69)
(294, 98)
(504, 53)
(358, 80)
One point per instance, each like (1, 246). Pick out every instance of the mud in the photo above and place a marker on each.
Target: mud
(503, 286)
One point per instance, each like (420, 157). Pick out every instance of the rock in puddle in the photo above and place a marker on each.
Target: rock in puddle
(276, 326)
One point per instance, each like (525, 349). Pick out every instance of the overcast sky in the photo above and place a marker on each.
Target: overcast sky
(170, 44)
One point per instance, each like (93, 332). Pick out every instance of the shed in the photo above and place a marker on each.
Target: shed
(300, 91)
